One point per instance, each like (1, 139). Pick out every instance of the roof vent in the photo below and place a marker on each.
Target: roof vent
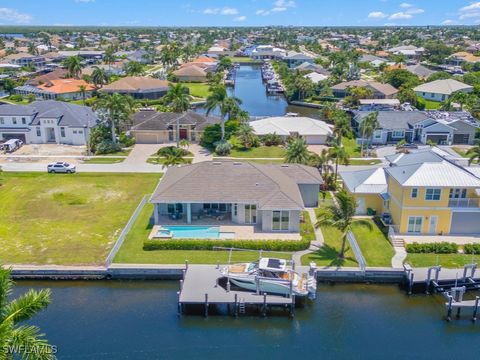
(256, 184)
(284, 165)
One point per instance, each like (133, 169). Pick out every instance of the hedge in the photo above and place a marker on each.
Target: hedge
(202, 244)
(432, 248)
(472, 249)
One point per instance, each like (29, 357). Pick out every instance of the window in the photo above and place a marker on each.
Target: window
(80, 131)
(398, 133)
(423, 94)
(14, 120)
(458, 193)
(24, 121)
(250, 214)
(378, 134)
(280, 220)
(174, 208)
(415, 224)
(432, 95)
(433, 194)
(414, 193)
(2, 120)
(62, 131)
(235, 209)
(39, 132)
(74, 131)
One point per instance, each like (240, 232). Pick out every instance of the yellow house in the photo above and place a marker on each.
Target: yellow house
(369, 188)
(433, 198)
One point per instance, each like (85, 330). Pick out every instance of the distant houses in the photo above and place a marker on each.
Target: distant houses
(441, 90)
(59, 88)
(380, 91)
(138, 87)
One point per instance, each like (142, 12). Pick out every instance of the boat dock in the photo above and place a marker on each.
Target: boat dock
(204, 286)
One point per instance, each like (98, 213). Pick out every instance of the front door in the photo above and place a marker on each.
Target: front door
(432, 227)
(50, 135)
(183, 134)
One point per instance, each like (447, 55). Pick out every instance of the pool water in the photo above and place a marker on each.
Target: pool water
(194, 232)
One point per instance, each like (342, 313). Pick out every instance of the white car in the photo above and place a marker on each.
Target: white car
(61, 167)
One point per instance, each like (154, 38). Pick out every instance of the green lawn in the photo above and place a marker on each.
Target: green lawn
(66, 219)
(259, 152)
(363, 162)
(24, 101)
(241, 59)
(452, 261)
(103, 160)
(430, 105)
(376, 248)
(351, 147)
(132, 250)
(199, 90)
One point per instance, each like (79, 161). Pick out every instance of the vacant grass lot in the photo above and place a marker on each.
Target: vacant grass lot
(259, 152)
(199, 90)
(65, 219)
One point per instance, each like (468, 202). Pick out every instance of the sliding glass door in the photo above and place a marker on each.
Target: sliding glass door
(250, 214)
(280, 220)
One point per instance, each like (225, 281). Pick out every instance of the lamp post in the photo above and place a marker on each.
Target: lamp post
(85, 129)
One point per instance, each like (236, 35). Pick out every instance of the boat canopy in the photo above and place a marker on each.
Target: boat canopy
(271, 264)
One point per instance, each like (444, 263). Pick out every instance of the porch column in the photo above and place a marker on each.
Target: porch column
(155, 213)
(189, 213)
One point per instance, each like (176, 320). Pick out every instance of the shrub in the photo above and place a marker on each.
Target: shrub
(432, 248)
(108, 147)
(201, 244)
(272, 140)
(16, 97)
(223, 148)
(169, 150)
(472, 249)
(127, 141)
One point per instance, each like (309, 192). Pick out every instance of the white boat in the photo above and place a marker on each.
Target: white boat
(271, 276)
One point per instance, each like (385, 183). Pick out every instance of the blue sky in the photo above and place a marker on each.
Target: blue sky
(239, 12)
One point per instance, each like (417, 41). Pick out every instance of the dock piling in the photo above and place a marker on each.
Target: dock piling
(449, 308)
(264, 308)
(475, 309)
(206, 305)
(236, 306)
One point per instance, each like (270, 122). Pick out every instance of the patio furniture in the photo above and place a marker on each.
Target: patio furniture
(175, 216)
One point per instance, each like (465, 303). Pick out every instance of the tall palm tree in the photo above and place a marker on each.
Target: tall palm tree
(297, 151)
(134, 68)
(74, 66)
(109, 57)
(83, 91)
(99, 76)
(26, 341)
(341, 126)
(339, 216)
(474, 153)
(226, 105)
(340, 155)
(117, 109)
(177, 97)
(368, 127)
(322, 162)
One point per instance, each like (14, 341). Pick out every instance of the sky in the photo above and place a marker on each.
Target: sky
(239, 12)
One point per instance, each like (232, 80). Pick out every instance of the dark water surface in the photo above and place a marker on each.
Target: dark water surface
(138, 320)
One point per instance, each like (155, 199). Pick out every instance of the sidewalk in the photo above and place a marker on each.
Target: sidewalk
(314, 245)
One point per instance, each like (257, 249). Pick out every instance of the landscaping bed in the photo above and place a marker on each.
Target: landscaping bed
(66, 219)
(104, 160)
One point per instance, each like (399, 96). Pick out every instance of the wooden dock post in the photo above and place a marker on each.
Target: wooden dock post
(461, 291)
(206, 304)
(257, 285)
(292, 307)
(264, 308)
(475, 309)
(449, 308)
(410, 284)
(235, 311)
(179, 306)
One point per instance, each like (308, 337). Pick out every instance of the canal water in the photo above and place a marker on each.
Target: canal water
(138, 320)
(250, 88)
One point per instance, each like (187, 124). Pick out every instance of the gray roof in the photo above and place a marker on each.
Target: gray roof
(394, 119)
(420, 70)
(13, 110)
(415, 157)
(271, 187)
(67, 114)
(370, 181)
(153, 120)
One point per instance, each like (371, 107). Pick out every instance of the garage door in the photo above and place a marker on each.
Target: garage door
(465, 223)
(146, 139)
(14, 136)
(438, 139)
(461, 138)
(316, 139)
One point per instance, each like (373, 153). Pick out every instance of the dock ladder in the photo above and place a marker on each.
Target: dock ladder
(241, 306)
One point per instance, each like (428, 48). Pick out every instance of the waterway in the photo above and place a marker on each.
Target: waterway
(138, 320)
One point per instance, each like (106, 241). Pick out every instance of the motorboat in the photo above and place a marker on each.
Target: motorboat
(271, 276)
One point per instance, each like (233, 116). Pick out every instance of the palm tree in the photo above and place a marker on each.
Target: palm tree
(340, 155)
(74, 66)
(339, 216)
(297, 151)
(474, 153)
(368, 127)
(177, 97)
(32, 49)
(227, 105)
(83, 90)
(117, 108)
(246, 135)
(99, 76)
(24, 340)
(173, 156)
(108, 57)
(341, 126)
(322, 162)
(134, 68)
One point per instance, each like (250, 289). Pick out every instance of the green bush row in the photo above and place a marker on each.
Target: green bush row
(432, 248)
(201, 244)
(471, 249)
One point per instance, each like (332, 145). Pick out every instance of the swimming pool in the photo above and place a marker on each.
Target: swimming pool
(198, 232)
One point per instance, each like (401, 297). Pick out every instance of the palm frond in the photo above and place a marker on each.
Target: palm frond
(27, 305)
(31, 344)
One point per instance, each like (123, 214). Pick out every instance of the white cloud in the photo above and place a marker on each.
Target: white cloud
(84, 1)
(229, 11)
(211, 11)
(448, 22)
(240, 18)
(279, 9)
(405, 5)
(8, 14)
(262, 12)
(377, 15)
(474, 6)
(414, 11)
(470, 15)
(471, 11)
(220, 11)
(278, 6)
(285, 4)
(400, 16)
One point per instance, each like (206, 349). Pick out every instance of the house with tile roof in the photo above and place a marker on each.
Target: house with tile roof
(138, 87)
(55, 88)
(380, 91)
(269, 197)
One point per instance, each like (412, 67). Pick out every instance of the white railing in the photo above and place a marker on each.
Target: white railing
(464, 203)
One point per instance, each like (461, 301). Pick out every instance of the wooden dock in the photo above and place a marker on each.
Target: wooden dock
(203, 285)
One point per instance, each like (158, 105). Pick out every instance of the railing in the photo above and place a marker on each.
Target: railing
(464, 203)
(356, 250)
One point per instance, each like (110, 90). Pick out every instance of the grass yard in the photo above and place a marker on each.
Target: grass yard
(452, 261)
(155, 160)
(199, 90)
(376, 248)
(430, 105)
(66, 219)
(104, 160)
(351, 147)
(364, 162)
(242, 59)
(132, 250)
(259, 152)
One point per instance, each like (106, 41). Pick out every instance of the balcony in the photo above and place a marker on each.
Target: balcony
(464, 203)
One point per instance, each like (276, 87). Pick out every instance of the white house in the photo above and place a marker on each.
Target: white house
(47, 122)
(441, 90)
(313, 131)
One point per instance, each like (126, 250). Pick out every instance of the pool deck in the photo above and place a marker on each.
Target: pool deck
(242, 232)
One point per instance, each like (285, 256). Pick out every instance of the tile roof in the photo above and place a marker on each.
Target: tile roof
(385, 89)
(152, 120)
(136, 84)
(65, 86)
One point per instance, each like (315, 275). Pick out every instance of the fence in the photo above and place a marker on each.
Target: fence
(125, 231)
(356, 250)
